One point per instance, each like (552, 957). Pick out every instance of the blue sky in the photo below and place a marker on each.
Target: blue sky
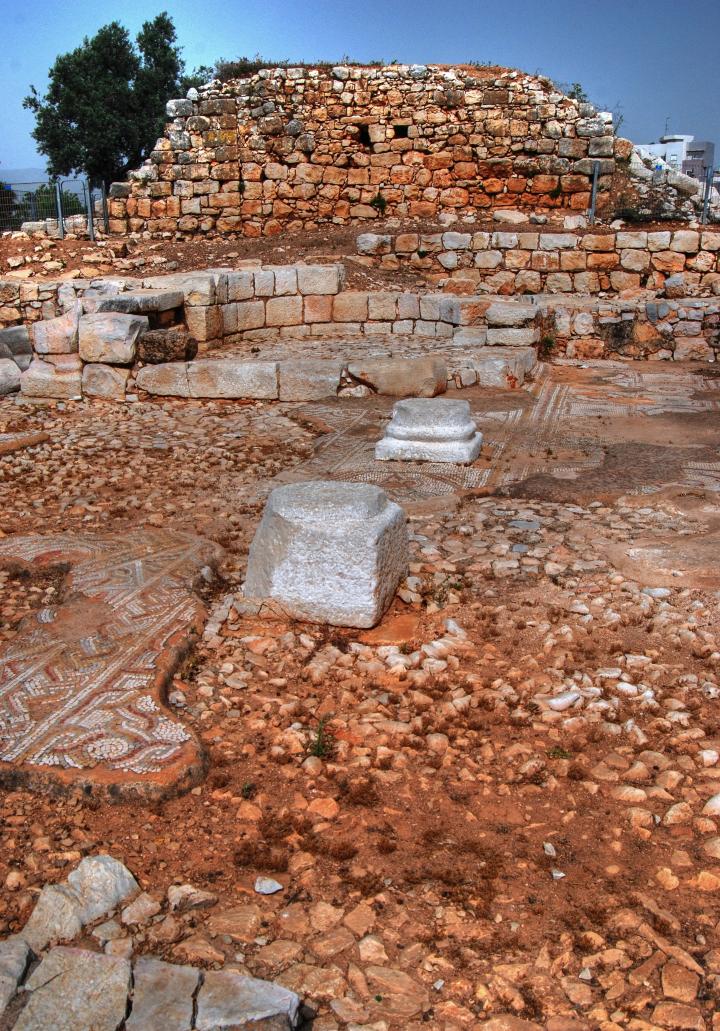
(658, 60)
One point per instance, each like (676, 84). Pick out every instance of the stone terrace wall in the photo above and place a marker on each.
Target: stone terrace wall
(682, 263)
(292, 147)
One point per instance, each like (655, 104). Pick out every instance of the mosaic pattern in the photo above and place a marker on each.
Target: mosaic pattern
(549, 414)
(82, 683)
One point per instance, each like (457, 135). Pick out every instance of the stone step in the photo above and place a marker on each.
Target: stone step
(137, 302)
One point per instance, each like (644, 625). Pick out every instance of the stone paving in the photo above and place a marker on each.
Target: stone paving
(497, 811)
(81, 686)
(559, 424)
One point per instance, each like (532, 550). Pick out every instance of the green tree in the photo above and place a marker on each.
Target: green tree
(105, 103)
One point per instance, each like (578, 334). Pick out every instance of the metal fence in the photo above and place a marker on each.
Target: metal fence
(58, 206)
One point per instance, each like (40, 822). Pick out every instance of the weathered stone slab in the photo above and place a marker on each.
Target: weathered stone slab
(329, 552)
(89, 674)
(105, 381)
(76, 990)
(162, 996)
(169, 380)
(402, 377)
(307, 379)
(9, 376)
(142, 302)
(110, 337)
(43, 379)
(198, 288)
(14, 959)
(228, 1002)
(58, 335)
(233, 378)
(430, 430)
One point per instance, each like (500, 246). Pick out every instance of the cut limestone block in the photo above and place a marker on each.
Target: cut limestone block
(427, 430)
(110, 337)
(402, 377)
(9, 376)
(233, 378)
(44, 379)
(106, 381)
(167, 380)
(329, 552)
(230, 1000)
(59, 335)
(320, 279)
(308, 379)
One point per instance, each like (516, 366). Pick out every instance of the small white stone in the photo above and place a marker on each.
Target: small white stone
(267, 886)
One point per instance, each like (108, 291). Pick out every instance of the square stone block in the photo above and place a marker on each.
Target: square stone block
(110, 337)
(329, 552)
(430, 430)
(233, 378)
(308, 379)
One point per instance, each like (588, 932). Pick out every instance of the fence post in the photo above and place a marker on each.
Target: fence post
(706, 199)
(58, 205)
(593, 191)
(91, 223)
(106, 217)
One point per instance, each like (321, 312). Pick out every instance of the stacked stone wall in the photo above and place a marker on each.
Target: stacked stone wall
(294, 147)
(512, 260)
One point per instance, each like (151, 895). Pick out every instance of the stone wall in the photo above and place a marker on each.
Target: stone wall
(532, 260)
(292, 331)
(292, 147)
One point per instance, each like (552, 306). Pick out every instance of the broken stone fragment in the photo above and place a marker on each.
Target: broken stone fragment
(329, 552)
(76, 990)
(15, 956)
(162, 996)
(58, 335)
(230, 1000)
(9, 376)
(402, 377)
(93, 889)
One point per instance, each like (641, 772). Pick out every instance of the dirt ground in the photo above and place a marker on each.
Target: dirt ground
(37, 259)
(499, 808)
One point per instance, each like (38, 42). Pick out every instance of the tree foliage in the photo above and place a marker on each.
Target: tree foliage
(105, 103)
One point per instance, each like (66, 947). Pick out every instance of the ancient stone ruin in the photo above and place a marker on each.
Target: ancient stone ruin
(359, 508)
(289, 148)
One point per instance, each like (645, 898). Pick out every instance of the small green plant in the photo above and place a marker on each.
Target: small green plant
(322, 745)
(546, 347)
(556, 192)
(248, 790)
(379, 203)
(422, 253)
(557, 752)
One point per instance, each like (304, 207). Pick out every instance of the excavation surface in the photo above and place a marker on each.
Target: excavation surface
(501, 801)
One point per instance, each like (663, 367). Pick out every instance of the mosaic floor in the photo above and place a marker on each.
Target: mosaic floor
(81, 685)
(561, 425)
